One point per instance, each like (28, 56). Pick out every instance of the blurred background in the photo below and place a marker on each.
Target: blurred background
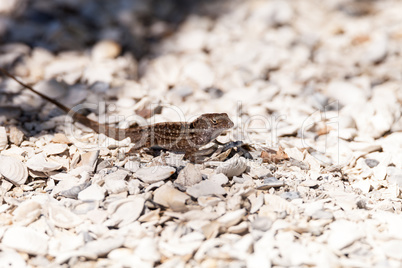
(246, 58)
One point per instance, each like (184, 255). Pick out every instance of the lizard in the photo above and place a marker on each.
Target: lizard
(181, 137)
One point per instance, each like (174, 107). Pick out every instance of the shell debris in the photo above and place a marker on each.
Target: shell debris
(309, 175)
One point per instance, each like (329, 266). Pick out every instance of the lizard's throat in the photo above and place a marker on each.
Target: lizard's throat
(216, 133)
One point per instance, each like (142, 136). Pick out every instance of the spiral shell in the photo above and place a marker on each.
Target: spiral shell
(13, 170)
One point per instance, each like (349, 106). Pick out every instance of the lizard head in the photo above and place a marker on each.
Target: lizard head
(212, 124)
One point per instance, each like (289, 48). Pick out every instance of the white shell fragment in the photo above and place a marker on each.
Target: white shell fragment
(3, 138)
(189, 175)
(115, 182)
(63, 217)
(231, 218)
(147, 250)
(277, 203)
(39, 162)
(124, 212)
(154, 173)
(27, 212)
(89, 159)
(218, 178)
(13, 170)
(101, 247)
(310, 174)
(92, 193)
(204, 188)
(11, 258)
(270, 182)
(54, 148)
(170, 197)
(132, 165)
(233, 167)
(26, 240)
(16, 135)
(343, 234)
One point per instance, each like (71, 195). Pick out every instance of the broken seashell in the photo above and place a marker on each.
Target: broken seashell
(233, 167)
(101, 247)
(89, 159)
(26, 240)
(218, 178)
(152, 215)
(232, 217)
(238, 229)
(123, 212)
(92, 193)
(294, 153)
(154, 173)
(147, 250)
(115, 183)
(174, 160)
(54, 148)
(205, 201)
(133, 166)
(73, 191)
(5, 186)
(189, 176)
(206, 187)
(211, 230)
(279, 204)
(170, 197)
(256, 202)
(270, 182)
(261, 223)
(13, 170)
(3, 138)
(11, 258)
(272, 156)
(92, 249)
(343, 233)
(185, 246)
(39, 163)
(97, 216)
(63, 217)
(60, 138)
(27, 212)
(16, 136)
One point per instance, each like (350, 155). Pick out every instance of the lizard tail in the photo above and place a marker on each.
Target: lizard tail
(61, 106)
(112, 132)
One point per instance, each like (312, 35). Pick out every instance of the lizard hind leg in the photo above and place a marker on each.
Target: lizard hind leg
(192, 156)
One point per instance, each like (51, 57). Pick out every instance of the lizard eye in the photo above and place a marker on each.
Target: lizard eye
(214, 121)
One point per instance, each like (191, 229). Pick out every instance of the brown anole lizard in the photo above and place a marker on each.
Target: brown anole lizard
(173, 136)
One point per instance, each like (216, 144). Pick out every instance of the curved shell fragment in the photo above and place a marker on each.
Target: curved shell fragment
(26, 240)
(233, 167)
(39, 163)
(3, 138)
(62, 217)
(155, 173)
(13, 170)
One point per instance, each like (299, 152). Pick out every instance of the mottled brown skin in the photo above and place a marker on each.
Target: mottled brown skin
(172, 136)
(181, 136)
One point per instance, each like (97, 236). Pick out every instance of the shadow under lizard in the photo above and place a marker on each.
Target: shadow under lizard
(179, 137)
